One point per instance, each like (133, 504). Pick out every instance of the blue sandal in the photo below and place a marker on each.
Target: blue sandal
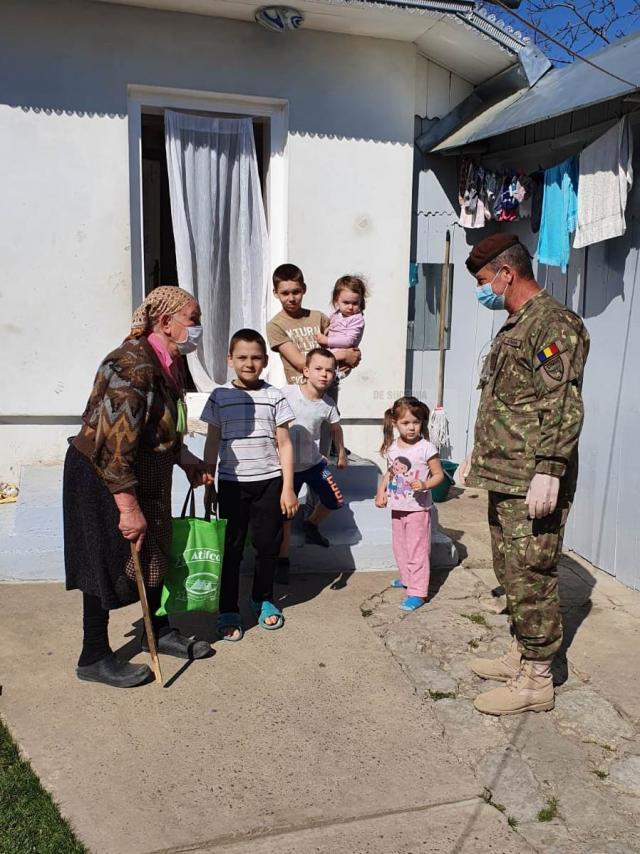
(267, 609)
(412, 603)
(230, 620)
(397, 583)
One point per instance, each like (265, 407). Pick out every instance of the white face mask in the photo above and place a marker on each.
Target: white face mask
(190, 343)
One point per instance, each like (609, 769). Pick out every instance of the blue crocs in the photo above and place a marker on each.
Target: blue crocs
(230, 621)
(397, 583)
(412, 603)
(267, 609)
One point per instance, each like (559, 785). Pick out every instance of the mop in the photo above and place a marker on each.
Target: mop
(438, 423)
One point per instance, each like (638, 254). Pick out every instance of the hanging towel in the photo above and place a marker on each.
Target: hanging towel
(606, 176)
(559, 209)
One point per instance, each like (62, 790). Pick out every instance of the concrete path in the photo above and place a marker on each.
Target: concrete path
(580, 763)
(309, 739)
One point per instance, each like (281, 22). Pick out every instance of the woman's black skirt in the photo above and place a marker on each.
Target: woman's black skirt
(97, 557)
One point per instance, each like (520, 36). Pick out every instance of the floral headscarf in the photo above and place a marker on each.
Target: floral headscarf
(164, 300)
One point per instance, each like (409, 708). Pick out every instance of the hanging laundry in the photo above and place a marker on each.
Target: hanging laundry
(473, 213)
(473, 209)
(492, 185)
(559, 210)
(537, 192)
(509, 203)
(524, 185)
(606, 176)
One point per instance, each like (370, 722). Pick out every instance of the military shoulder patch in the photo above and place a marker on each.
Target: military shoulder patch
(548, 353)
(555, 370)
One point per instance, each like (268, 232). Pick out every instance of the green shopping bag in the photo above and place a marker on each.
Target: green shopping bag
(192, 582)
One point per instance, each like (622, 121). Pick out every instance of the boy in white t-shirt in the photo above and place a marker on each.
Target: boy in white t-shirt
(312, 409)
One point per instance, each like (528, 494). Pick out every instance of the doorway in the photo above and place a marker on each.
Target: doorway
(159, 250)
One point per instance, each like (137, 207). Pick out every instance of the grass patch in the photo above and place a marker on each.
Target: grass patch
(512, 821)
(366, 612)
(601, 775)
(550, 811)
(29, 820)
(473, 643)
(441, 695)
(478, 619)
(607, 747)
(499, 807)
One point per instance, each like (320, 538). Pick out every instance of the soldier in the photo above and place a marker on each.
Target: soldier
(526, 455)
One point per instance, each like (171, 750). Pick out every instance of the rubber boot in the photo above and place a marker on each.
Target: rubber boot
(530, 691)
(499, 669)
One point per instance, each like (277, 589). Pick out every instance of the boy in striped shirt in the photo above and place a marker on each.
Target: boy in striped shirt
(249, 432)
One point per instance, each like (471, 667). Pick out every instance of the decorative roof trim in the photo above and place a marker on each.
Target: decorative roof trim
(491, 26)
(463, 12)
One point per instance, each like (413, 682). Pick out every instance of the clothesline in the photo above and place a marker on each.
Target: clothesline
(585, 194)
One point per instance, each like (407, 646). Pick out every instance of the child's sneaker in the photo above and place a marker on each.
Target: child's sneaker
(412, 603)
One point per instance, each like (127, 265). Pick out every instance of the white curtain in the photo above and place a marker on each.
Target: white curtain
(220, 232)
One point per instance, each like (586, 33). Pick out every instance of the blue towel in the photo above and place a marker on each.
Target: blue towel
(559, 214)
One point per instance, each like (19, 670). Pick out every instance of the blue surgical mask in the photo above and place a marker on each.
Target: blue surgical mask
(487, 298)
(190, 345)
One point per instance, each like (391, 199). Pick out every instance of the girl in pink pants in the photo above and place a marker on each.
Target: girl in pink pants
(413, 469)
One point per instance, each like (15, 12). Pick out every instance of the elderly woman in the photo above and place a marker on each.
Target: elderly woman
(117, 482)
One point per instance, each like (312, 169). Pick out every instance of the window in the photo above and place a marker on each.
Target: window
(424, 307)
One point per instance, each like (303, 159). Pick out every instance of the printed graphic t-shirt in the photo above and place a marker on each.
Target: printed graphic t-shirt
(247, 420)
(305, 431)
(301, 331)
(405, 464)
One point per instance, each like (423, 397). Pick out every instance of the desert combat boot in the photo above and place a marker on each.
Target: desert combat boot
(531, 690)
(499, 669)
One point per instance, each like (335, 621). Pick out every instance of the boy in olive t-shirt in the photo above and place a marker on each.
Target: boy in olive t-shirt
(292, 332)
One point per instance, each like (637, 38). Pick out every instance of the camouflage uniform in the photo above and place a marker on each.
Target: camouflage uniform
(529, 421)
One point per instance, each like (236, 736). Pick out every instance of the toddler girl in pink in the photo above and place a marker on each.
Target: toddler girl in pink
(346, 321)
(413, 469)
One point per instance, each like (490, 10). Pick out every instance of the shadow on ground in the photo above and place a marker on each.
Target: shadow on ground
(575, 585)
(303, 587)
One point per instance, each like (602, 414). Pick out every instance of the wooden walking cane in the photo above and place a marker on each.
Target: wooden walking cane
(146, 616)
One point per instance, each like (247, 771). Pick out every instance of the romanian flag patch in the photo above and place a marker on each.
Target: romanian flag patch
(548, 353)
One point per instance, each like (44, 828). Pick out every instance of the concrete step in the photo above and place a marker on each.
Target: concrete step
(31, 543)
(31, 537)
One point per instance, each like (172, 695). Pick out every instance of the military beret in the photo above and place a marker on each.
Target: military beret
(488, 249)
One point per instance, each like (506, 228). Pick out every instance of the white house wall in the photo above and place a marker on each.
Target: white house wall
(64, 216)
(437, 90)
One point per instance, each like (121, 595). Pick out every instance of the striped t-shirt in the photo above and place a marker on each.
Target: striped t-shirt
(247, 420)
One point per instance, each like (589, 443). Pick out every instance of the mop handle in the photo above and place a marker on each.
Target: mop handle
(444, 292)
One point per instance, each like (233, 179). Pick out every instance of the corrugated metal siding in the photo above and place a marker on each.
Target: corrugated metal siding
(601, 285)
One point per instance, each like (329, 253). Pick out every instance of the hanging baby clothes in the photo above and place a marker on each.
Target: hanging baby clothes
(559, 209)
(606, 175)
(473, 212)
(524, 186)
(509, 203)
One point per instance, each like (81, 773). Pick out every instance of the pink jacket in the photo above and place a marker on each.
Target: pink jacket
(345, 332)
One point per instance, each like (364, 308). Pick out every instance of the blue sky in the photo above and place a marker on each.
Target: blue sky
(552, 21)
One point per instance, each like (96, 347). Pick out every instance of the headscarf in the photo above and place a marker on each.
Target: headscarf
(167, 299)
